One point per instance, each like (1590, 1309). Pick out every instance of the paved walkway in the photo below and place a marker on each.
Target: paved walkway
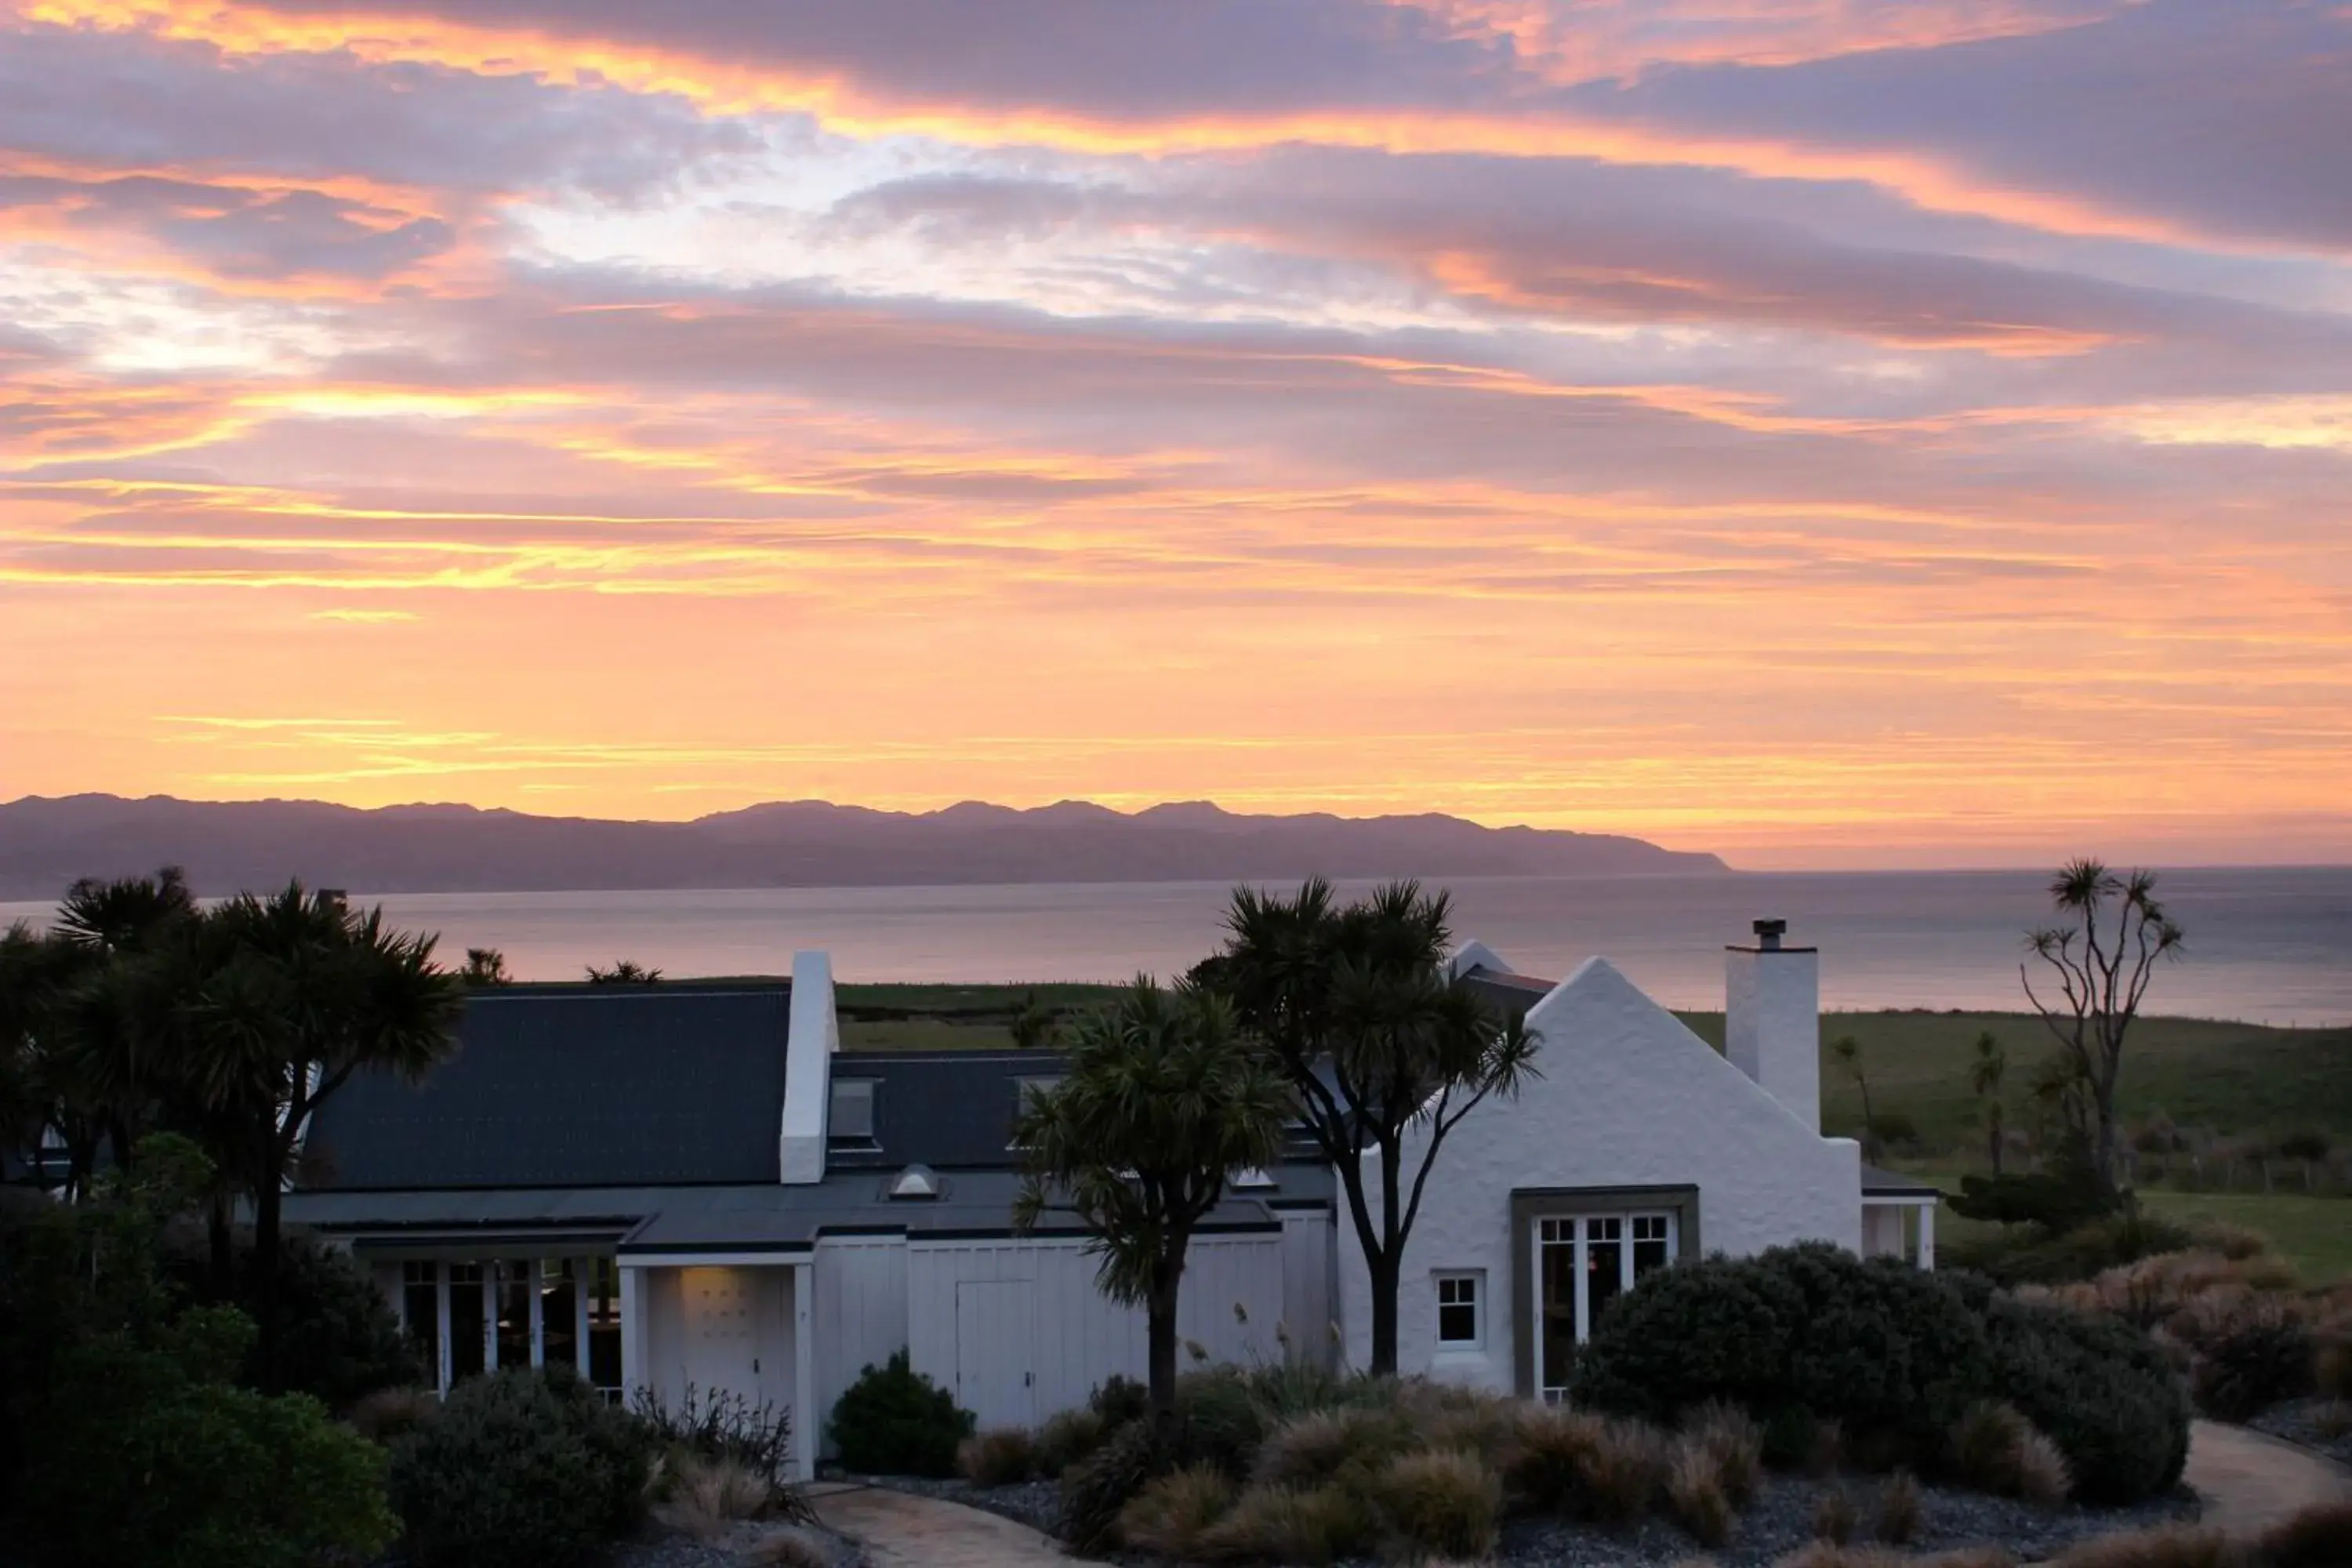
(899, 1529)
(2251, 1481)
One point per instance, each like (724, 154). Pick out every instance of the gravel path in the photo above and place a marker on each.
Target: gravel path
(2251, 1481)
(900, 1528)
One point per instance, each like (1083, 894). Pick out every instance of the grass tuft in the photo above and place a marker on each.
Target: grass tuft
(1000, 1456)
(1900, 1506)
(2165, 1546)
(1694, 1489)
(1289, 1525)
(1169, 1516)
(2318, 1537)
(1835, 1515)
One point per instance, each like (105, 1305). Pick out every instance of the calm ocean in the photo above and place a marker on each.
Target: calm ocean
(2269, 945)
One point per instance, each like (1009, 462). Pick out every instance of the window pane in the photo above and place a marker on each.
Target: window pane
(514, 1312)
(465, 1320)
(1557, 1342)
(1458, 1310)
(559, 1311)
(1605, 1266)
(605, 1327)
(851, 1117)
(420, 1300)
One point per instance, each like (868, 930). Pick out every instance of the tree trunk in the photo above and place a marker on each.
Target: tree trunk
(267, 1204)
(1160, 1313)
(222, 1242)
(1383, 1269)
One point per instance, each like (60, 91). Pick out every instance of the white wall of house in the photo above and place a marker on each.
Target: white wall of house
(860, 1317)
(1015, 1329)
(1628, 1097)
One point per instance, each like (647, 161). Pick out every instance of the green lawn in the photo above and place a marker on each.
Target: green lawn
(947, 1017)
(2315, 1233)
(2235, 1078)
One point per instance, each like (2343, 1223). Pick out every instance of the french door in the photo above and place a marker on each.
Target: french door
(1583, 1262)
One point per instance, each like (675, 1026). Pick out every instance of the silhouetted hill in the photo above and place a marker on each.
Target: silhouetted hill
(45, 843)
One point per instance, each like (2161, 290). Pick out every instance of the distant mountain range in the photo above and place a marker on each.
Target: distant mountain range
(45, 843)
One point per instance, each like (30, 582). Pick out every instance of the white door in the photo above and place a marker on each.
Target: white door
(722, 1330)
(996, 1369)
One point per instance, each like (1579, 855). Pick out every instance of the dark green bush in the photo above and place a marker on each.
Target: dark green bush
(2096, 1387)
(139, 1461)
(1217, 1423)
(2036, 1255)
(894, 1421)
(1878, 1346)
(2263, 1361)
(2056, 1200)
(1096, 1489)
(1894, 1356)
(338, 1340)
(1118, 1400)
(522, 1464)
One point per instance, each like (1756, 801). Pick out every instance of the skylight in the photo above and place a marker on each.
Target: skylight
(915, 1181)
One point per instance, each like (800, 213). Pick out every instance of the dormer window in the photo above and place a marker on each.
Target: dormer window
(849, 1123)
(915, 1182)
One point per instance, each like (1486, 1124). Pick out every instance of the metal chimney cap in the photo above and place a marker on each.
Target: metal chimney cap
(1769, 932)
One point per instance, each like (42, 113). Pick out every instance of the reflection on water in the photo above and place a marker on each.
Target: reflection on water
(2268, 944)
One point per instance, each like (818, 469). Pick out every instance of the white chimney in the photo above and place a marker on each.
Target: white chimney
(813, 1035)
(1773, 1018)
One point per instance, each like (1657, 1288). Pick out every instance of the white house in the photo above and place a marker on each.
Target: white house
(1636, 1145)
(691, 1184)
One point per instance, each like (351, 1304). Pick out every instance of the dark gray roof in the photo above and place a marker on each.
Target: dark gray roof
(1512, 994)
(575, 1086)
(949, 1110)
(1876, 1183)
(765, 1217)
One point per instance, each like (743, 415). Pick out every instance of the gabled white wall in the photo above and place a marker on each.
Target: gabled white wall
(815, 1035)
(1628, 1098)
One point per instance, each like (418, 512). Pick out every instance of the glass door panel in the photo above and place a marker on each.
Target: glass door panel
(559, 1309)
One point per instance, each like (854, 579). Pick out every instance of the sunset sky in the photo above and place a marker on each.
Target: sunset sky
(1828, 432)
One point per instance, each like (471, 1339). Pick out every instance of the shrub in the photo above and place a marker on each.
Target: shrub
(894, 1421)
(2098, 1387)
(1694, 1489)
(790, 1548)
(390, 1414)
(1066, 1438)
(1996, 1449)
(702, 1497)
(1284, 1524)
(719, 1426)
(2318, 1537)
(2265, 1359)
(1217, 1422)
(520, 1465)
(999, 1456)
(1624, 1473)
(1899, 1508)
(1546, 1461)
(1119, 1400)
(138, 1462)
(1732, 1444)
(1169, 1515)
(1878, 1345)
(1443, 1505)
(2165, 1546)
(1835, 1515)
(1797, 1439)
(1095, 1491)
(1312, 1449)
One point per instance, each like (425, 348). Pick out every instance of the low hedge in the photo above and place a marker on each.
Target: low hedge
(894, 1421)
(1893, 1354)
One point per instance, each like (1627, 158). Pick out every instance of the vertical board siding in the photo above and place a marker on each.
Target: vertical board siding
(860, 1314)
(1306, 1293)
(1074, 1337)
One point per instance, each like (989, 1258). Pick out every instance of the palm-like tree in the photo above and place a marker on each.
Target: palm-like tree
(1985, 1073)
(1034, 1025)
(2102, 955)
(1357, 1013)
(1165, 1099)
(623, 972)
(267, 1006)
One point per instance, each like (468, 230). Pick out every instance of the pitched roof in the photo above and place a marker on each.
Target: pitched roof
(1877, 1183)
(1513, 993)
(575, 1086)
(949, 1110)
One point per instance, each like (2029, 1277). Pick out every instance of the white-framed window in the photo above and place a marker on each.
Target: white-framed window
(1583, 1262)
(1462, 1309)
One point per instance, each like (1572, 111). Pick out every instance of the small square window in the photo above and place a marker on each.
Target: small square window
(851, 1117)
(1457, 1309)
